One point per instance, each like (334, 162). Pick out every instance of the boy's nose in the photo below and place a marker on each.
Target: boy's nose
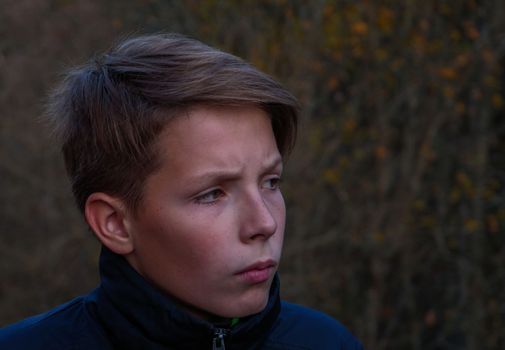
(258, 221)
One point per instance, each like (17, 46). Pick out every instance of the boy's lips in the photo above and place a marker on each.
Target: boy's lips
(258, 272)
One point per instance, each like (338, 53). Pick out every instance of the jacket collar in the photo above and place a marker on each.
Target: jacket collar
(137, 315)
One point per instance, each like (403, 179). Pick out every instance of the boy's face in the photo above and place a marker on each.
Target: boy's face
(210, 228)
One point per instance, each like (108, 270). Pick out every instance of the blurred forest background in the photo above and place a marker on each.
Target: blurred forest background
(395, 192)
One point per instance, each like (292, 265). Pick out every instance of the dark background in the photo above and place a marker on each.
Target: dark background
(395, 192)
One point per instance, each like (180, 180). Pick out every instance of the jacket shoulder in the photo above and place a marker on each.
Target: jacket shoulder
(67, 326)
(299, 327)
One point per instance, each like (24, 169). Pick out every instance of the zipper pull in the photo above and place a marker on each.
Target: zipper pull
(218, 340)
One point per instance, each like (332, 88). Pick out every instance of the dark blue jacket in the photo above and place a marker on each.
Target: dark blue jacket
(126, 312)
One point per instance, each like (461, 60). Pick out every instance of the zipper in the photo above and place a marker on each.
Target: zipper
(218, 340)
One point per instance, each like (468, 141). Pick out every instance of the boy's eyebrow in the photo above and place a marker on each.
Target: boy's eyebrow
(231, 174)
(273, 162)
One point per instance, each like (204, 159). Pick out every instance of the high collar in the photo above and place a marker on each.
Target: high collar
(137, 315)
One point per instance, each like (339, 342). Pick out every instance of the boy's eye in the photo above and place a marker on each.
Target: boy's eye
(209, 197)
(273, 183)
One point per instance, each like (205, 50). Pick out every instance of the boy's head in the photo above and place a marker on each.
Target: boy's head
(109, 112)
(174, 150)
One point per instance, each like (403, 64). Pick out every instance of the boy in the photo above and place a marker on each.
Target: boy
(174, 150)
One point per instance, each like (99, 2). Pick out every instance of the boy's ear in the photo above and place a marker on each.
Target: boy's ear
(107, 216)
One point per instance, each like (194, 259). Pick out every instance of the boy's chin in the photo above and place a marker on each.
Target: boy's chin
(248, 306)
(250, 303)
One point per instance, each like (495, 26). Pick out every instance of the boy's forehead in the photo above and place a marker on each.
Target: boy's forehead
(209, 131)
